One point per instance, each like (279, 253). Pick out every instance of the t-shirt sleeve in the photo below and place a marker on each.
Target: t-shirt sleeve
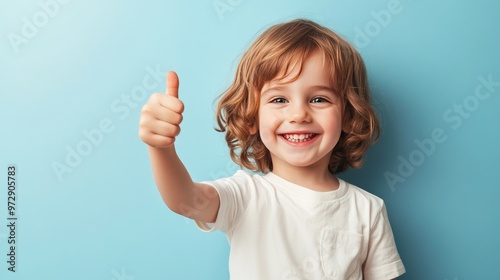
(383, 261)
(234, 193)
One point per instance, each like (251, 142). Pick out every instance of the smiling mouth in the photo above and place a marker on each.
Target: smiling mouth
(297, 138)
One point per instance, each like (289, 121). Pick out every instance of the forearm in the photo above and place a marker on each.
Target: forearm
(172, 179)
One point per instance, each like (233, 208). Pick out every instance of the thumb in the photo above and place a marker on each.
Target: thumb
(172, 84)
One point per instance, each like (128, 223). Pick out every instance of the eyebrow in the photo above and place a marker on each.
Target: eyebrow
(311, 88)
(320, 87)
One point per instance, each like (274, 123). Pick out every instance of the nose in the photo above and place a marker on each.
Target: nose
(298, 113)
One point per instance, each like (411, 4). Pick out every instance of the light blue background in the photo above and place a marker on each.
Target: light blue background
(105, 218)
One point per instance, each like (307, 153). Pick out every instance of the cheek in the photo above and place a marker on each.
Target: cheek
(268, 124)
(269, 120)
(265, 130)
(269, 140)
(335, 124)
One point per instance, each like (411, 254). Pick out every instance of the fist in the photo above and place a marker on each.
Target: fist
(162, 115)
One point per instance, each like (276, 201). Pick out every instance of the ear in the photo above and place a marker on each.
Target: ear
(347, 124)
(253, 129)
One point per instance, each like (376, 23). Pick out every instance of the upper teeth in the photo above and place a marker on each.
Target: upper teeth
(298, 137)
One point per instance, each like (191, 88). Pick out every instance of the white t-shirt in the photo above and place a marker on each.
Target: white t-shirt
(279, 230)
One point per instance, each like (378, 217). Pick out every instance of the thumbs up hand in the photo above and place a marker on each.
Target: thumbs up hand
(162, 115)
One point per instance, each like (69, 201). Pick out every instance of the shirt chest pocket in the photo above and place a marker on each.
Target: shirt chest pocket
(339, 254)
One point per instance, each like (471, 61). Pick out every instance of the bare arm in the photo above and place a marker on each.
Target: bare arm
(183, 196)
(159, 125)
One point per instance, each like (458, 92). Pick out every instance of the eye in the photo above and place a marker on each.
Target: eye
(278, 100)
(319, 99)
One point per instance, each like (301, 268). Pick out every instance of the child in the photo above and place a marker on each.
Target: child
(298, 111)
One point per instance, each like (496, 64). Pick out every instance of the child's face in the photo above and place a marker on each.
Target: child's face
(300, 122)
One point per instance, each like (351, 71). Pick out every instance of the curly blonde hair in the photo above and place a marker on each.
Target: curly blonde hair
(273, 54)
